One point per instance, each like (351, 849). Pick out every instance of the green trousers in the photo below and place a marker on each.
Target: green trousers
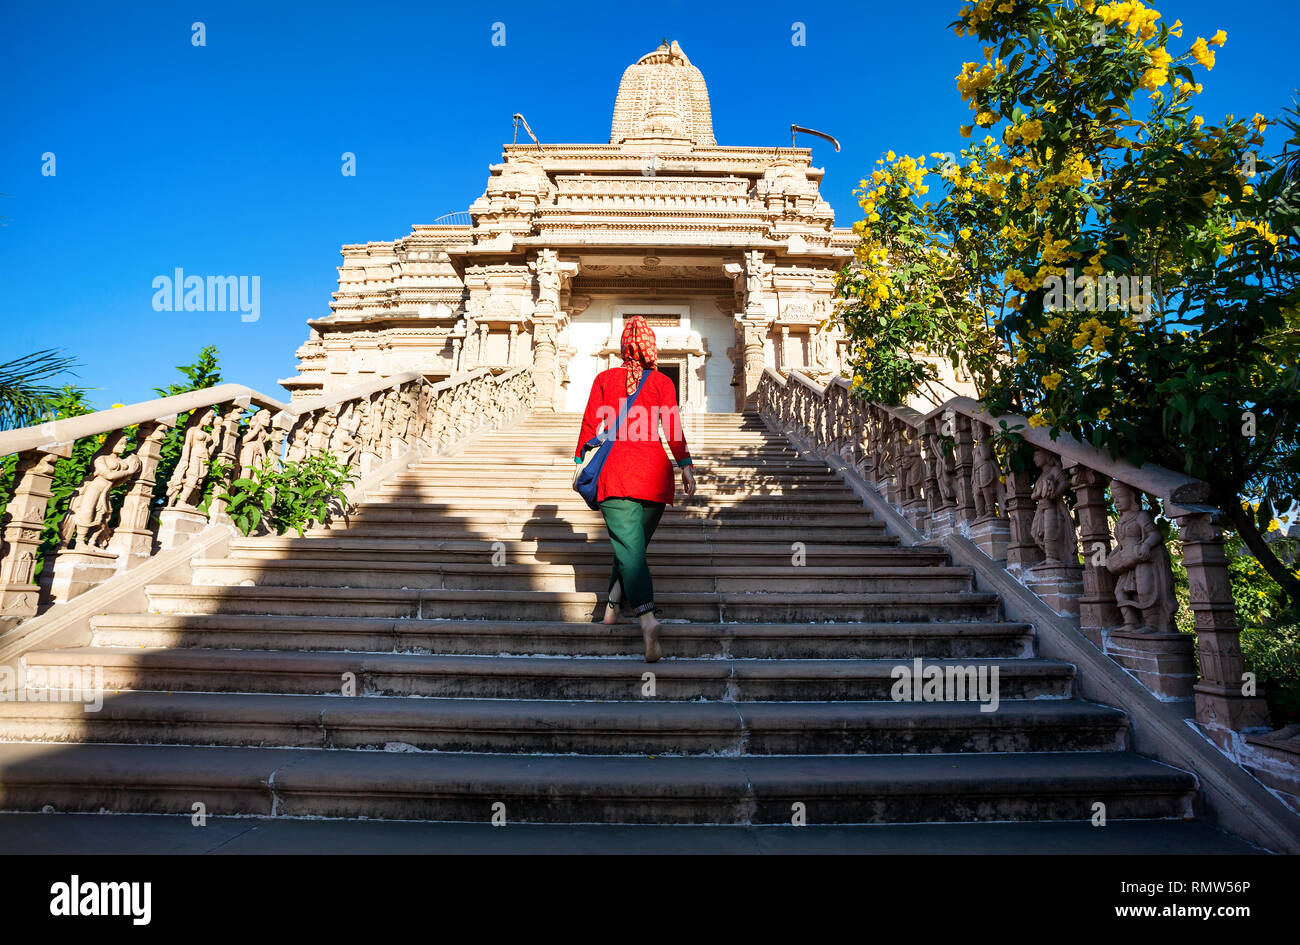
(631, 522)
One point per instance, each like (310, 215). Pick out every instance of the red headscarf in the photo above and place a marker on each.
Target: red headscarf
(639, 349)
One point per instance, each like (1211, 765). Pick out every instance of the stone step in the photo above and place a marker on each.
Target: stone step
(572, 511)
(737, 465)
(567, 727)
(575, 551)
(563, 473)
(489, 637)
(734, 533)
(448, 786)
(539, 677)
(592, 577)
(568, 605)
(706, 492)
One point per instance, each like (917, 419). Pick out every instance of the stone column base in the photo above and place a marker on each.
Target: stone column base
(78, 570)
(1059, 586)
(915, 513)
(991, 536)
(132, 546)
(1162, 662)
(177, 525)
(1225, 709)
(1274, 758)
(18, 602)
(941, 522)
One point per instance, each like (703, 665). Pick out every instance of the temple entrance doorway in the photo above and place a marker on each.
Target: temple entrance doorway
(673, 371)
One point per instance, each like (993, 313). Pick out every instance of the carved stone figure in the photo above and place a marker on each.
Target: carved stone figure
(945, 474)
(985, 481)
(346, 443)
(90, 510)
(548, 279)
(300, 438)
(1052, 528)
(756, 271)
(252, 447)
(185, 487)
(1144, 589)
(913, 471)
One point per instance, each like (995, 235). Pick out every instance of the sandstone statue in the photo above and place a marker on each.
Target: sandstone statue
(1053, 527)
(90, 509)
(252, 447)
(185, 488)
(986, 481)
(1144, 589)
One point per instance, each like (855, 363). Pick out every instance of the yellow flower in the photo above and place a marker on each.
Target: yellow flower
(965, 232)
(890, 157)
(1201, 53)
(1038, 420)
(1103, 413)
(1219, 38)
(1051, 381)
(115, 406)
(985, 118)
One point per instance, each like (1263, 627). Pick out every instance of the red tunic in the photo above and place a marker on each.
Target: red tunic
(637, 467)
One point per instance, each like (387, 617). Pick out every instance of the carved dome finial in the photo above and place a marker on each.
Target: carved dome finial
(659, 83)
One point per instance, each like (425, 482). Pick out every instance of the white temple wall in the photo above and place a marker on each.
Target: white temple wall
(590, 330)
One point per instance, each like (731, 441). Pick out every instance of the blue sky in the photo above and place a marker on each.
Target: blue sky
(225, 159)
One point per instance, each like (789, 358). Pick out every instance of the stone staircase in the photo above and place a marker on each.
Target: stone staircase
(458, 601)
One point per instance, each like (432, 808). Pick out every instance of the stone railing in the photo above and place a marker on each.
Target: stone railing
(228, 427)
(1050, 527)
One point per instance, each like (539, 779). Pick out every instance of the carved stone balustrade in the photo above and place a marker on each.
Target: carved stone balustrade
(1050, 527)
(230, 428)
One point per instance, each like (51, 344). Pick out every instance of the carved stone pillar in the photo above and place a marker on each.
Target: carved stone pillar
(514, 344)
(1221, 705)
(963, 459)
(133, 538)
(455, 355)
(786, 365)
(23, 521)
(545, 364)
(1097, 610)
(228, 427)
(1022, 552)
(991, 530)
(939, 520)
(755, 361)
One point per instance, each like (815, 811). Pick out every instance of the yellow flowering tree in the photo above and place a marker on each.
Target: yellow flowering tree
(1140, 264)
(909, 298)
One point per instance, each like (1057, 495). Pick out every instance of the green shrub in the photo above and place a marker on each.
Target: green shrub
(294, 496)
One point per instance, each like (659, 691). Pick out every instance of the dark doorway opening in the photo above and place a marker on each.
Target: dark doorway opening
(674, 373)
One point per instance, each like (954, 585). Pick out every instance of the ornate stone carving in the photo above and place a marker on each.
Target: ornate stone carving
(252, 446)
(185, 488)
(90, 510)
(1052, 528)
(985, 481)
(1144, 589)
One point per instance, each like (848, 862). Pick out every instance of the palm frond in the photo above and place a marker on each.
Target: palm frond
(24, 397)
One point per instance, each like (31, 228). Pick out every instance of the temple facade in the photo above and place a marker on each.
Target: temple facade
(729, 252)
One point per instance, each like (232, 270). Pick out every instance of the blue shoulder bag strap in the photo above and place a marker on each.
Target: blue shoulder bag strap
(622, 416)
